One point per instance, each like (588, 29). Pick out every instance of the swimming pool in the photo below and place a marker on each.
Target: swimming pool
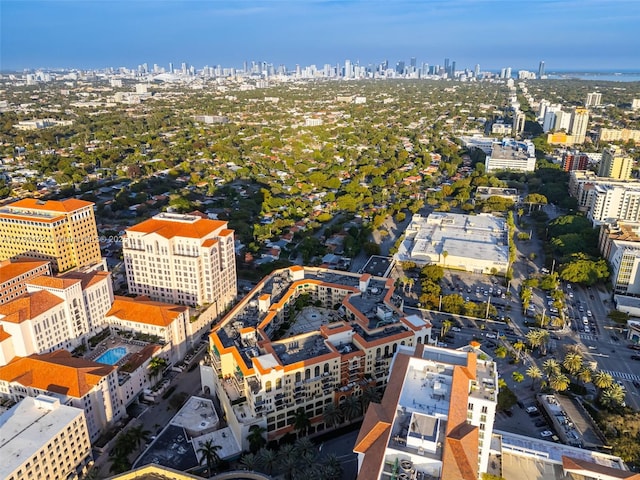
(112, 356)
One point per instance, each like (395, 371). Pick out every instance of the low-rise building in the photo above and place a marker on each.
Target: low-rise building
(43, 438)
(483, 193)
(478, 243)
(511, 155)
(305, 338)
(90, 386)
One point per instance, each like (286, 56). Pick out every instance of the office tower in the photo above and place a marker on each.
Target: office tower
(413, 62)
(507, 73)
(476, 71)
(503, 73)
(62, 232)
(593, 99)
(400, 67)
(184, 68)
(446, 65)
(170, 67)
(43, 438)
(183, 259)
(347, 69)
(563, 121)
(519, 119)
(579, 121)
(452, 73)
(244, 67)
(435, 419)
(541, 69)
(574, 161)
(615, 164)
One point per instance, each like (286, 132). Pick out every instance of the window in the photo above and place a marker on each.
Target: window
(470, 406)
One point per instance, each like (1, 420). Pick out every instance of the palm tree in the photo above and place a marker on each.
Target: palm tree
(209, 454)
(551, 367)
(557, 322)
(301, 421)
(501, 351)
(249, 461)
(446, 326)
(544, 339)
(332, 467)
(602, 380)
(572, 362)
(534, 338)
(612, 396)
(288, 461)
(332, 415)
(156, 365)
(369, 394)
(267, 460)
(256, 438)
(584, 375)
(519, 347)
(138, 434)
(119, 464)
(350, 408)
(534, 373)
(559, 382)
(517, 377)
(305, 449)
(445, 254)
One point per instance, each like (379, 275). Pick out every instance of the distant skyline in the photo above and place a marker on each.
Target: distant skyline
(566, 34)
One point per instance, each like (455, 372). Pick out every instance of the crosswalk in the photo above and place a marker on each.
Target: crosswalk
(624, 375)
(587, 336)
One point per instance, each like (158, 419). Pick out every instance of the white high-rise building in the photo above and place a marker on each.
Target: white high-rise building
(183, 259)
(563, 121)
(579, 122)
(347, 69)
(593, 99)
(42, 438)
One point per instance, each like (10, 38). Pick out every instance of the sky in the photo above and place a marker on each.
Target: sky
(566, 34)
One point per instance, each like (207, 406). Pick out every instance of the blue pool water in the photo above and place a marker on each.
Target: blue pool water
(111, 356)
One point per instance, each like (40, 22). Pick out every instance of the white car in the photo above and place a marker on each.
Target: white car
(456, 329)
(491, 335)
(546, 433)
(532, 409)
(588, 313)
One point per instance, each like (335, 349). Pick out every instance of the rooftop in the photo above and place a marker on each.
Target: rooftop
(62, 206)
(13, 269)
(144, 310)
(198, 416)
(174, 225)
(29, 426)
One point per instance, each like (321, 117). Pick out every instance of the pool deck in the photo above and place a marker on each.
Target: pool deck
(114, 341)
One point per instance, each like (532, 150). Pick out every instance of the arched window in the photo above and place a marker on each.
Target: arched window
(307, 374)
(267, 386)
(298, 377)
(419, 339)
(326, 368)
(278, 383)
(316, 371)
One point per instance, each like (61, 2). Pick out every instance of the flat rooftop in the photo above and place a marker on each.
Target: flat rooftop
(198, 416)
(172, 449)
(28, 426)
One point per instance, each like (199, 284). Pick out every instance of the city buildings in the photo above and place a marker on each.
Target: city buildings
(615, 164)
(182, 259)
(619, 243)
(305, 338)
(435, 419)
(619, 135)
(574, 160)
(14, 276)
(511, 155)
(169, 323)
(56, 312)
(478, 243)
(42, 438)
(87, 385)
(594, 99)
(62, 232)
(579, 124)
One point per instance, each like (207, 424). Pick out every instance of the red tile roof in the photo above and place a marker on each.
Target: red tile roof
(168, 228)
(56, 372)
(28, 306)
(579, 466)
(143, 310)
(9, 270)
(68, 205)
(4, 335)
(53, 282)
(88, 279)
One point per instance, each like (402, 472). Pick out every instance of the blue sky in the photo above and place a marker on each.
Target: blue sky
(567, 34)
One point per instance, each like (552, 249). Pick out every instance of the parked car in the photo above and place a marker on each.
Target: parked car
(546, 433)
(532, 410)
(456, 329)
(635, 357)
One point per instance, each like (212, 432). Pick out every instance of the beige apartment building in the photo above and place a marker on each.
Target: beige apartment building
(62, 232)
(615, 164)
(305, 338)
(40, 438)
(183, 259)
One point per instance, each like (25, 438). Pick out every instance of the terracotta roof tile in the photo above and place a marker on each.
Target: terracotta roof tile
(53, 282)
(570, 463)
(460, 453)
(3, 334)
(169, 229)
(68, 205)
(143, 310)
(88, 279)
(56, 372)
(28, 306)
(14, 269)
(136, 359)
